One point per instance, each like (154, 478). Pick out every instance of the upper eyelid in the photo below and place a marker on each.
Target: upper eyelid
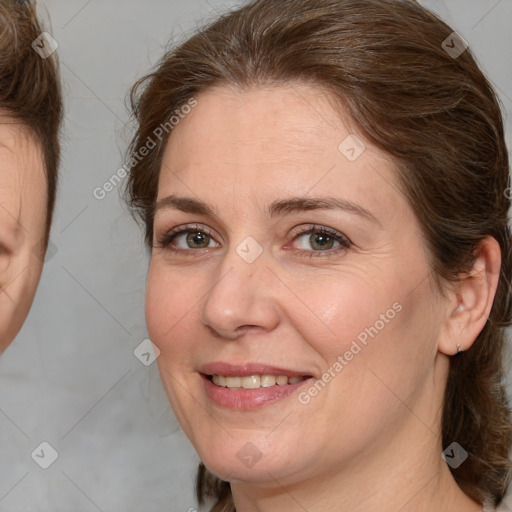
(172, 234)
(296, 232)
(314, 227)
(310, 227)
(185, 228)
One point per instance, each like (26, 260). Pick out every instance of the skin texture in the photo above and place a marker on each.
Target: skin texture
(22, 225)
(370, 439)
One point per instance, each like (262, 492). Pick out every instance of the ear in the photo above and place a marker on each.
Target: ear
(470, 301)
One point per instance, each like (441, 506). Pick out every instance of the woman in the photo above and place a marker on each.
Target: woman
(30, 118)
(325, 202)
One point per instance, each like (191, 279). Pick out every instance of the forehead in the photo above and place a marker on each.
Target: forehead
(293, 117)
(271, 142)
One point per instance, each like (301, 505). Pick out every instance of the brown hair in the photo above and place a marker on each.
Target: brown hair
(30, 90)
(438, 118)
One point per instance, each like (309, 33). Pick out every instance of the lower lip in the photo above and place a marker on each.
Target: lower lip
(249, 399)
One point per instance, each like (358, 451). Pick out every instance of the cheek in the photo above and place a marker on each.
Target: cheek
(340, 309)
(382, 345)
(370, 334)
(171, 303)
(371, 347)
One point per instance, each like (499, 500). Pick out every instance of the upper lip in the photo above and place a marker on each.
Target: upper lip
(246, 369)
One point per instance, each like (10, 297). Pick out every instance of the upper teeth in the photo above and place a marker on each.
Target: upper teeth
(254, 381)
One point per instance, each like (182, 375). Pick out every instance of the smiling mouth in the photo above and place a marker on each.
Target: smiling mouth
(254, 381)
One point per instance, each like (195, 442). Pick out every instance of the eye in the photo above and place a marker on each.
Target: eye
(317, 241)
(192, 240)
(186, 238)
(320, 239)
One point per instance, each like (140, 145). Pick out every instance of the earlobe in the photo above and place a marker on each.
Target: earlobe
(471, 300)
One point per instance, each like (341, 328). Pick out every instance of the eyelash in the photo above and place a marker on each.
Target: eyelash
(165, 240)
(344, 242)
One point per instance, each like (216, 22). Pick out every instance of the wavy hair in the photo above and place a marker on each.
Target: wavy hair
(30, 89)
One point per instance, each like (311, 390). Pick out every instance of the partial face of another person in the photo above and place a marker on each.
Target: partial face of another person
(280, 251)
(23, 195)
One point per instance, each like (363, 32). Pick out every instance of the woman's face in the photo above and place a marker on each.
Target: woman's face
(283, 248)
(22, 225)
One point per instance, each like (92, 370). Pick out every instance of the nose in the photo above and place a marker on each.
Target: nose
(241, 299)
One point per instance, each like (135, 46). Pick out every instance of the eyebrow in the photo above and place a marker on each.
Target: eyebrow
(280, 207)
(299, 204)
(184, 204)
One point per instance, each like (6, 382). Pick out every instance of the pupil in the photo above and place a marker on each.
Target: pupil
(321, 241)
(197, 239)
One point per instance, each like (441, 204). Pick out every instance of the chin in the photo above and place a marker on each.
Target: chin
(251, 458)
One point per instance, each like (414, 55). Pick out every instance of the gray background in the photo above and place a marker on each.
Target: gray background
(71, 377)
